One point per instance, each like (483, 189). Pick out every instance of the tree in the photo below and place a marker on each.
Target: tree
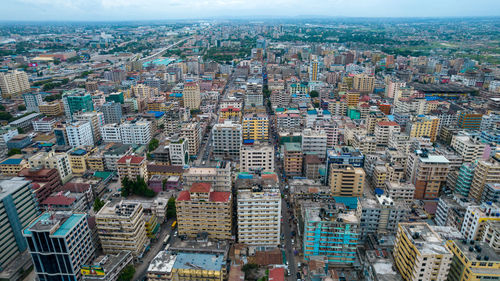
(21, 107)
(127, 273)
(171, 213)
(14, 151)
(2, 108)
(314, 94)
(98, 204)
(138, 187)
(20, 130)
(153, 144)
(5, 116)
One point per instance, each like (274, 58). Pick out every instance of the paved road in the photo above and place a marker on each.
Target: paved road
(155, 247)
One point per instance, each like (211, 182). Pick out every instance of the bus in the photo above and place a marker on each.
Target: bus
(166, 240)
(174, 224)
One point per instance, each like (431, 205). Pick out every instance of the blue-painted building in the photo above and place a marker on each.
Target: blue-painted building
(330, 231)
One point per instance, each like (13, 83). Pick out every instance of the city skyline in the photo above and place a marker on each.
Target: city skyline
(128, 10)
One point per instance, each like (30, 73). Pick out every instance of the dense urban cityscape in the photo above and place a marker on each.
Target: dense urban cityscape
(316, 149)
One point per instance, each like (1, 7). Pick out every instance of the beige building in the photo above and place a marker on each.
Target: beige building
(202, 210)
(14, 83)
(420, 253)
(384, 130)
(121, 227)
(346, 180)
(486, 171)
(427, 172)
(192, 133)
(219, 177)
(54, 108)
(363, 83)
(13, 165)
(191, 95)
(132, 166)
(53, 160)
(400, 191)
(470, 148)
(426, 126)
(491, 234)
(258, 156)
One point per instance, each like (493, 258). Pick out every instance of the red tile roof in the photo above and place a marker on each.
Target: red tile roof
(58, 200)
(77, 187)
(219, 196)
(165, 169)
(201, 187)
(387, 123)
(184, 196)
(133, 159)
(277, 274)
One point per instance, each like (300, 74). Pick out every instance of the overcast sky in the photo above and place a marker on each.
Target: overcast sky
(99, 10)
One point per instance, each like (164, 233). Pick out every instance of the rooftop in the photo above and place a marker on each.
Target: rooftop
(59, 223)
(10, 186)
(424, 238)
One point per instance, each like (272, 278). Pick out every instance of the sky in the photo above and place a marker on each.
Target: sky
(125, 10)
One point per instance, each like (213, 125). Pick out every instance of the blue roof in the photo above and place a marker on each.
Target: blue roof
(312, 112)
(68, 224)
(326, 112)
(202, 261)
(248, 141)
(176, 95)
(12, 161)
(157, 114)
(350, 202)
(379, 191)
(79, 152)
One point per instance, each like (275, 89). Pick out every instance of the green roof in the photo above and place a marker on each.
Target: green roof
(293, 146)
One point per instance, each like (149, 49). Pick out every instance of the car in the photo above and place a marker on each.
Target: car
(298, 276)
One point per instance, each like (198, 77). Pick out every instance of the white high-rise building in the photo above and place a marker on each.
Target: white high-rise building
(136, 132)
(227, 139)
(80, 133)
(257, 157)
(314, 142)
(111, 133)
(32, 101)
(259, 214)
(470, 148)
(179, 152)
(14, 83)
(191, 95)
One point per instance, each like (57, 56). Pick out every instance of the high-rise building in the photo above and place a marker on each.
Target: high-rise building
(13, 83)
(44, 181)
(80, 134)
(292, 163)
(17, 209)
(191, 95)
(227, 138)
(53, 160)
(464, 179)
(75, 101)
(192, 133)
(469, 120)
(331, 232)
(427, 172)
(470, 148)
(96, 120)
(424, 126)
(255, 127)
(59, 244)
(473, 261)
(112, 112)
(257, 157)
(491, 234)
(219, 177)
(259, 213)
(136, 132)
(485, 171)
(363, 83)
(314, 142)
(346, 180)
(420, 253)
(381, 214)
(352, 98)
(475, 220)
(32, 101)
(383, 131)
(202, 210)
(313, 71)
(121, 227)
(131, 167)
(179, 152)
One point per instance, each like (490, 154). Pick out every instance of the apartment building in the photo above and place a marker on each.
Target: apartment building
(384, 130)
(257, 156)
(191, 95)
(45, 124)
(121, 227)
(314, 142)
(59, 245)
(332, 232)
(17, 210)
(219, 177)
(255, 126)
(363, 83)
(192, 133)
(427, 172)
(491, 235)
(381, 214)
(485, 171)
(424, 126)
(470, 148)
(227, 138)
(203, 210)
(469, 120)
(14, 83)
(80, 134)
(53, 160)
(400, 191)
(420, 253)
(179, 152)
(346, 180)
(96, 120)
(111, 133)
(31, 101)
(475, 220)
(53, 108)
(130, 166)
(112, 112)
(259, 214)
(136, 132)
(293, 159)
(473, 261)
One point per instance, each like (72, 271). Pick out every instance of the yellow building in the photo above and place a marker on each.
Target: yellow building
(191, 95)
(201, 209)
(352, 99)
(230, 113)
(255, 127)
(51, 109)
(473, 262)
(346, 180)
(121, 227)
(424, 126)
(13, 165)
(78, 160)
(420, 253)
(152, 226)
(363, 83)
(95, 161)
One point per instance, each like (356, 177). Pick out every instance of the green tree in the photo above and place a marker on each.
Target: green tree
(127, 273)
(20, 130)
(2, 108)
(5, 116)
(171, 213)
(314, 94)
(21, 107)
(153, 144)
(98, 204)
(14, 151)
